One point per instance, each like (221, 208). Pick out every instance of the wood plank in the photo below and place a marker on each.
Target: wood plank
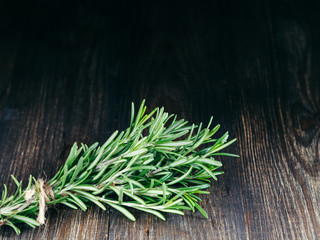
(253, 66)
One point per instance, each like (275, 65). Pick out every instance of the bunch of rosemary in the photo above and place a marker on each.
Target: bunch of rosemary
(155, 166)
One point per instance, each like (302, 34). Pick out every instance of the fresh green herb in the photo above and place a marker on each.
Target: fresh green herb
(156, 165)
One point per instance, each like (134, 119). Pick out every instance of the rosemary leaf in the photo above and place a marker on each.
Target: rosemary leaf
(156, 165)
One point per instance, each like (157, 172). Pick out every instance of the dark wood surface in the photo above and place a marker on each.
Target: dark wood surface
(68, 72)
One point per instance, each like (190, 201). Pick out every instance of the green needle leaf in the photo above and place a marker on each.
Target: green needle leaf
(78, 202)
(70, 205)
(201, 210)
(32, 223)
(16, 229)
(172, 211)
(154, 212)
(182, 177)
(123, 211)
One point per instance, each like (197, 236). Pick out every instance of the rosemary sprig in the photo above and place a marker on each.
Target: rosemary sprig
(158, 164)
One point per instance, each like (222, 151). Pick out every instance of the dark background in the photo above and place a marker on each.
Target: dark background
(69, 71)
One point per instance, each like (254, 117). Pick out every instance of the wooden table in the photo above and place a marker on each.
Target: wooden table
(68, 72)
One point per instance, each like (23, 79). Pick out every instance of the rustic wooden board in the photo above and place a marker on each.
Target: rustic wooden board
(68, 72)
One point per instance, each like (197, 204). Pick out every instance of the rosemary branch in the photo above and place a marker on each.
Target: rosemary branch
(158, 164)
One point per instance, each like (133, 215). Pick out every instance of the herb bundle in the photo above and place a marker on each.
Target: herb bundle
(158, 164)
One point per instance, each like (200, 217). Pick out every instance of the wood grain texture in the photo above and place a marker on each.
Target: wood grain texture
(68, 72)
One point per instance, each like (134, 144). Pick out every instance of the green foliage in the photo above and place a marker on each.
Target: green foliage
(156, 165)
